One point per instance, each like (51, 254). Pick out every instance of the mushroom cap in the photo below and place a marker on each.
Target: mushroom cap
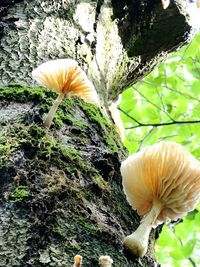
(165, 3)
(78, 260)
(105, 260)
(65, 77)
(165, 172)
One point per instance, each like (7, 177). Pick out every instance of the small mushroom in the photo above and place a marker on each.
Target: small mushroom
(165, 3)
(66, 78)
(77, 261)
(161, 181)
(105, 261)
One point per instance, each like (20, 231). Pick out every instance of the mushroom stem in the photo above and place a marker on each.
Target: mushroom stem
(49, 118)
(137, 243)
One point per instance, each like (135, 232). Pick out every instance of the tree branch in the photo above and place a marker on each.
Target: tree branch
(153, 104)
(140, 124)
(174, 90)
(180, 241)
(129, 116)
(192, 262)
(145, 137)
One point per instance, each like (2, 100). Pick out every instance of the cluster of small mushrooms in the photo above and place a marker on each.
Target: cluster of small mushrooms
(104, 261)
(161, 181)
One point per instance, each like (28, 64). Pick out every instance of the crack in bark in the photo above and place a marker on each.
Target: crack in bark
(97, 13)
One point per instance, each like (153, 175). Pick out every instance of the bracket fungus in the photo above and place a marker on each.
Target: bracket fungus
(161, 181)
(66, 78)
(105, 261)
(78, 259)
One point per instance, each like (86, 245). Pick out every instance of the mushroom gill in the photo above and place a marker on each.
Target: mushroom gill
(161, 181)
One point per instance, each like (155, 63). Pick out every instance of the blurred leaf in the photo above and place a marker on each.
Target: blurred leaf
(169, 94)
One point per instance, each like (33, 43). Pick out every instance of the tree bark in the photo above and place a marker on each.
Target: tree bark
(116, 42)
(60, 190)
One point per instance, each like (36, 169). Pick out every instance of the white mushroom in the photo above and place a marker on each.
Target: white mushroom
(66, 78)
(161, 181)
(105, 261)
(165, 3)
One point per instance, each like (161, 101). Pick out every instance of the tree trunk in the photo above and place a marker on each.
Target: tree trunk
(60, 190)
(116, 42)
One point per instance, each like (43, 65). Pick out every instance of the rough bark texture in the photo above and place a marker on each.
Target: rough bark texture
(60, 190)
(116, 42)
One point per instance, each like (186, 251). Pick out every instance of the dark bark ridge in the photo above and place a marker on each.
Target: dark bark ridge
(60, 191)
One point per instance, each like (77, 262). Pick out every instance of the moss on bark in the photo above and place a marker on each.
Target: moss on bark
(61, 191)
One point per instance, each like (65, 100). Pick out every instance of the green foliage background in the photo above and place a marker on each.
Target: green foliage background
(165, 105)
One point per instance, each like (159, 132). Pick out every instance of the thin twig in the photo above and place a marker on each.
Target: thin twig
(140, 124)
(153, 104)
(162, 124)
(183, 94)
(192, 262)
(146, 136)
(195, 65)
(129, 116)
(180, 241)
(175, 90)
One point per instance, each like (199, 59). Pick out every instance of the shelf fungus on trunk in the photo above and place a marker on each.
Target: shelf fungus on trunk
(66, 78)
(161, 181)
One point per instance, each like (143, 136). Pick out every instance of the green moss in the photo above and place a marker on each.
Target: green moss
(35, 142)
(66, 179)
(5, 150)
(73, 111)
(66, 114)
(72, 154)
(74, 225)
(112, 140)
(44, 147)
(109, 134)
(57, 229)
(84, 223)
(21, 94)
(57, 120)
(19, 194)
(72, 246)
(100, 182)
(8, 145)
(93, 113)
